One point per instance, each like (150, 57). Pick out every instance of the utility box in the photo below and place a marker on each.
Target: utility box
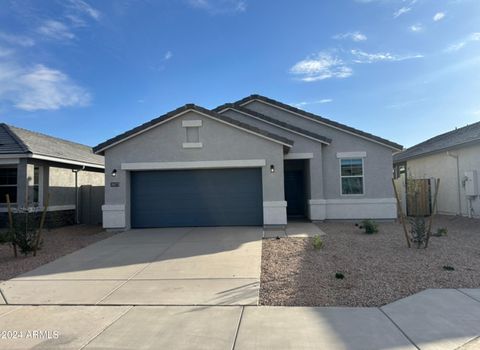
(471, 183)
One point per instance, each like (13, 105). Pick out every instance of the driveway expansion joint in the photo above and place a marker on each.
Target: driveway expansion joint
(468, 342)
(3, 297)
(398, 327)
(468, 295)
(105, 328)
(238, 328)
(142, 269)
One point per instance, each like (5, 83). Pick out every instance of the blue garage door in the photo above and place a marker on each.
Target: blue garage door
(214, 197)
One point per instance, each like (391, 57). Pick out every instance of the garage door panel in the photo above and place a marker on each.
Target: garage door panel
(219, 197)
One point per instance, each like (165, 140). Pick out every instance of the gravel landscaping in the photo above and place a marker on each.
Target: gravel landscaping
(56, 243)
(378, 268)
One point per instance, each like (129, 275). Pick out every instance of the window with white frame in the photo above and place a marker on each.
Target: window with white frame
(192, 133)
(351, 173)
(8, 184)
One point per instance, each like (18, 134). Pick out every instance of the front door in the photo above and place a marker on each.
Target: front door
(294, 180)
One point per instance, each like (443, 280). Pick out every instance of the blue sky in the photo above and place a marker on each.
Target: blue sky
(87, 70)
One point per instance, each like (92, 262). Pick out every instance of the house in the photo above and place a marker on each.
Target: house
(454, 158)
(253, 162)
(33, 164)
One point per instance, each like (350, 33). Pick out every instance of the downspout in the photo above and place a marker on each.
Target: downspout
(453, 155)
(76, 171)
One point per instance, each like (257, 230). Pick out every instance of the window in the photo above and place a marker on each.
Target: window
(351, 173)
(193, 134)
(8, 184)
(36, 182)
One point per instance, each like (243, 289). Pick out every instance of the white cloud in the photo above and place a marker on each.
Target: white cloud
(39, 88)
(219, 6)
(401, 11)
(438, 16)
(364, 57)
(167, 55)
(460, 45)
(306, 103)
(319, 67)
(55, 30)
(416, 28)
(355, 36)
(4, 52)
(84, 8)
(18, 40)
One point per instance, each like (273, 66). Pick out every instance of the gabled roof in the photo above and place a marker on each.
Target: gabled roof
(449, 140)
(179, 111)
(18, 141)
(273, 121)
(319, 119)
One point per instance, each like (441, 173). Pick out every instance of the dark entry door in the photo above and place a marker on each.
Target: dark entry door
(295, 192)
(213, 197)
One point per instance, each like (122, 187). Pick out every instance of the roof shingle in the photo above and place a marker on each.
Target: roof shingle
(100, 147)
(271, 120)
(326, 121)
(443, 142)
(14, 140)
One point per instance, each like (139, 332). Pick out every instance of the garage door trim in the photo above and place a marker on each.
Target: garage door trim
(214, 164)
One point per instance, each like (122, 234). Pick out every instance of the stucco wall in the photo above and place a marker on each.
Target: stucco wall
(62, 184)
(444, 166)
(164, 144)
(378, 163)
(301, 145)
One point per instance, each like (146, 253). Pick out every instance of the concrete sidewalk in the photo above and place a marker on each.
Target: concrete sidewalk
(433, 319)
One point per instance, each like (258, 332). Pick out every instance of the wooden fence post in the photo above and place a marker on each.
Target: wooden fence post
(42, 221)
(437, 184)
(402, 218)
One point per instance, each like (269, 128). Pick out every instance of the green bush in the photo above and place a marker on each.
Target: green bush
(6, 236)
(317, 242)
(442, 231)
(339, 276)
(370, 226)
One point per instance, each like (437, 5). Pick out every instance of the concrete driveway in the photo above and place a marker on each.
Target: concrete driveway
(174, 266)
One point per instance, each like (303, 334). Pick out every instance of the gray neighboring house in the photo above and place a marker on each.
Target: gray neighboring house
(34, 164)
(454, 158)
(253, 162)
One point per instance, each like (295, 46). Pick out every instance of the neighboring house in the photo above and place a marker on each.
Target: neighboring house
(33, 164)
(454, 158)
(253, 162)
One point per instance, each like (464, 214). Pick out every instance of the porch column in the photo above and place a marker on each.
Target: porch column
(316, 202)
(22, 183)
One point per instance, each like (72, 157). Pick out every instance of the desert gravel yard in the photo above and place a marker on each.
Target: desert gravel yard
(378, 268)
(56, 243)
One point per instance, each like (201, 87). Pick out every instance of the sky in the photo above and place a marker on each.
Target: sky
(87, 70)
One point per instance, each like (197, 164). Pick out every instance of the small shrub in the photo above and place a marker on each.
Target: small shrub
(6, 236)
(370, 226)
(317, 242)
(418, 231)
(339, 276)
(442, 231)
(448, 268)
(24, 233)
